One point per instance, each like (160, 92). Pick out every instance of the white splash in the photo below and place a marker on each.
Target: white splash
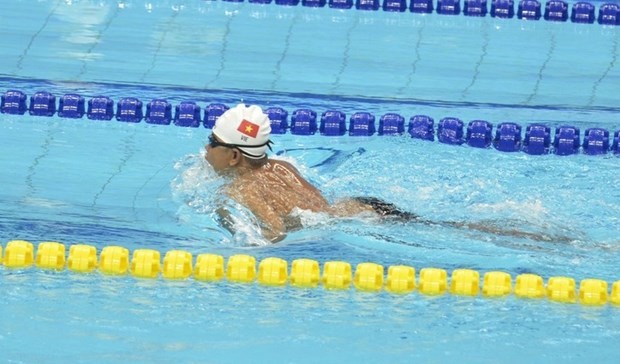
(198, 188)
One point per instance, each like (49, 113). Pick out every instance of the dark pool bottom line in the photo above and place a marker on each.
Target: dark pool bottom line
(304, 273)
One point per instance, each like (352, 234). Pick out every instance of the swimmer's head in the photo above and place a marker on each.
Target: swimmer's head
(246, 128)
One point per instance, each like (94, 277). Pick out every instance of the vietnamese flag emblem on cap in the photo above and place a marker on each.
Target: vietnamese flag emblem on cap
(248, 128)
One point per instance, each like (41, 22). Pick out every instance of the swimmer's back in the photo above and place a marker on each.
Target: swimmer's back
(278, 185)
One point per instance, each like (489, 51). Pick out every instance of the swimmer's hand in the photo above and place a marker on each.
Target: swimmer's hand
(272, 236)
(225, 220)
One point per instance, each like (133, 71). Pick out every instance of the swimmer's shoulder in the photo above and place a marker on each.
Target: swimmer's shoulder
(282, 164)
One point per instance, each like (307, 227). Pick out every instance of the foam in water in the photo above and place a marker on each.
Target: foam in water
(198, 190)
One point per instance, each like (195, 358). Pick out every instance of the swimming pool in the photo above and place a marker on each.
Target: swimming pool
(142, 186)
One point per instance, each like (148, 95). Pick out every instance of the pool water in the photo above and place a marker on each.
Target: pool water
(145, 186)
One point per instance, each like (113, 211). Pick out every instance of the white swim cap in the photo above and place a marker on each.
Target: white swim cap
(245, 127)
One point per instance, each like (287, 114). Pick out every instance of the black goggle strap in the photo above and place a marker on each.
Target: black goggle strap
(268, 144)
(214, 142)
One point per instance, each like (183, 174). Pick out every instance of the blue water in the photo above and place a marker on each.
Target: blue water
(144, 186)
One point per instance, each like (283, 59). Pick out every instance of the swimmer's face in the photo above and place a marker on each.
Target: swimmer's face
(219, 155)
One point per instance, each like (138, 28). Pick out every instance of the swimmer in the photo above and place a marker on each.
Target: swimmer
(272, 189)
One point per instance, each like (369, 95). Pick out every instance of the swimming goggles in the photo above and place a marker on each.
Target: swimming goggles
(214, 143)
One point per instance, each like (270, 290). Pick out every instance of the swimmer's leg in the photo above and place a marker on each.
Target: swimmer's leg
(494, 227)
(389, 210)
(500, 228)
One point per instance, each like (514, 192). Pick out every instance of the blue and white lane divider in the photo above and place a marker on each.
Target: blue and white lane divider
(534, 139)
(581, 12)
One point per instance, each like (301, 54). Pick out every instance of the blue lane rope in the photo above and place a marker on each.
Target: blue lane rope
(534, 139)
(530, 10)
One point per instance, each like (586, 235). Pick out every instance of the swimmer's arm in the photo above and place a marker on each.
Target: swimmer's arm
(272, 226)
(225, 220)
